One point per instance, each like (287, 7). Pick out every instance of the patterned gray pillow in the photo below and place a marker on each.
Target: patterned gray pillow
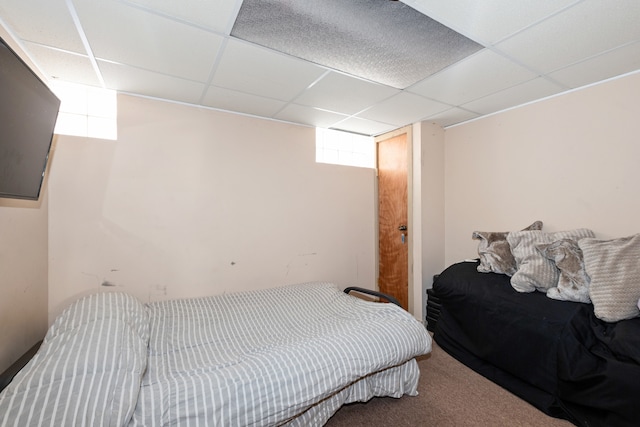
(573, 284)
(494, 251)
(614, 269)
(534, 271)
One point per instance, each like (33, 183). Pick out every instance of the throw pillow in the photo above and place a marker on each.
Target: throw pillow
(573, 284)
(535, 272)
(494, 251)
(614, 268)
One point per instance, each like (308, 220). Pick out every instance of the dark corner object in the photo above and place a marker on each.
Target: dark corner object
(433, 308)
(373, 293)
(7, 376)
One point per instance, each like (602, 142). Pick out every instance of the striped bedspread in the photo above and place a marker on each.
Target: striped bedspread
(284, 356)
(264, 358)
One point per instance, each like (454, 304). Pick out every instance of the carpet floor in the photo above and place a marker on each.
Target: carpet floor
(450, 394)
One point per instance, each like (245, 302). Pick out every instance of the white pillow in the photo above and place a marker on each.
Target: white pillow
(534, 271)
(614, 268)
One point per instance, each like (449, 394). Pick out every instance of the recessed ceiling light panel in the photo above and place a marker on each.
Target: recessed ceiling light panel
(379, 40)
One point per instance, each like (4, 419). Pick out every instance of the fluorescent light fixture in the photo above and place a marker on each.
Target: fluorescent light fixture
(379, 40)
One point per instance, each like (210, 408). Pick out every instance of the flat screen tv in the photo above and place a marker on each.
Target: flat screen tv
(28, 113)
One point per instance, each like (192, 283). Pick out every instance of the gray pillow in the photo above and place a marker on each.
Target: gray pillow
(494, 251)
(614, 268)
(534, 271)
(573, 284)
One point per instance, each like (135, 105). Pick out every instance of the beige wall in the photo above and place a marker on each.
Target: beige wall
(428, 205)
(571, 161)
(23, 268)
(191, 202)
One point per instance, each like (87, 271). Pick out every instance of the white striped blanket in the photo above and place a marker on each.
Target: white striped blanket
(290, 355)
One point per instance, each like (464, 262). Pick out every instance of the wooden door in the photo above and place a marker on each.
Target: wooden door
(393, 273)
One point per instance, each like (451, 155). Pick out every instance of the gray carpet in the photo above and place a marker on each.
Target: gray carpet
(450, 395)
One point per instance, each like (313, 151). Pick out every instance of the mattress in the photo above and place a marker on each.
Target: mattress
(266, 357)
(283, 356)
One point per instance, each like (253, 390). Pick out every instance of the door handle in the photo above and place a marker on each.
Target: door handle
(402, 228)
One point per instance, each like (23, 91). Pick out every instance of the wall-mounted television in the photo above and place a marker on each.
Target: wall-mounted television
(28, 113)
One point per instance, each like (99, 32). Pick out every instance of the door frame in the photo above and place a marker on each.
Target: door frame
(408, 130)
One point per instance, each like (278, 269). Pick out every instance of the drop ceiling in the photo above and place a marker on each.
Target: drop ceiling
(184, 51)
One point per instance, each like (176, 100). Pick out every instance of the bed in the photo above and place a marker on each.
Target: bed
(284, 356)
(557, 355)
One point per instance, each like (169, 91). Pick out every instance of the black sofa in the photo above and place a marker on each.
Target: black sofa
(557, 355)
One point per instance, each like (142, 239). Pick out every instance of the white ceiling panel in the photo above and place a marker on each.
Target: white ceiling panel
(182, 51)
(231, 100)
(148, 41)
(46, 22)
(62, 65)
(253, 69)
(452, 116)
(362, 126)
(488, 21)
(344, 94)
(585, 30)
(216, 15)
(483, 73)
(137, 81)
(309, 116)
(402, 108)
(610, 64)
(523, 93)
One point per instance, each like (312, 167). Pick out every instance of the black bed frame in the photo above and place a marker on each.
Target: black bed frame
(373, 293)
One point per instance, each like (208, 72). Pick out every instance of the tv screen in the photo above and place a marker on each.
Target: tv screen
(28, 113)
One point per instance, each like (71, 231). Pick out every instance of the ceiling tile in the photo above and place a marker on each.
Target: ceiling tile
(575, 34)
(488, 21)
(148, 41)
(46, 22)
(473, 78)
(216, 15)
(613, 63)
(344, 94)
(231, 100)
(403, 109)
(133, 80)
(309, 116)
(513, 96)
(58, 64)
(253, 69)
(182, 51)
(381, 41)
(452, 116)
(363, 127)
